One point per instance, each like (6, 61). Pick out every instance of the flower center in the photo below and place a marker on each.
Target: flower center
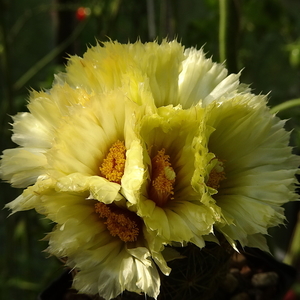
(120, 222)
(162, 179)
(216, 175)
(113, 165)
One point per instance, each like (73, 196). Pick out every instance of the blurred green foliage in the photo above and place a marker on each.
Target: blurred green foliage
(37, 36)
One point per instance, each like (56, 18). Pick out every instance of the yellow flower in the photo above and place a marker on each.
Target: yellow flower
(252, 172)
(169, 200)
(89, 143)
(166, 73)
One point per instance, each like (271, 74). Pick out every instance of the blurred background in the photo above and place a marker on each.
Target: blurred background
(262, 37)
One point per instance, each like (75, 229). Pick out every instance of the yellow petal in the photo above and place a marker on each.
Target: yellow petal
(258, 165)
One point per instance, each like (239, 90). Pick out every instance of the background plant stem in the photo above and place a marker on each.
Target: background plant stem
(48, 57)
(229, 28)
(285, 105)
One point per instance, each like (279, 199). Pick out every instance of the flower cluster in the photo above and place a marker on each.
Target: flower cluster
(140, 147)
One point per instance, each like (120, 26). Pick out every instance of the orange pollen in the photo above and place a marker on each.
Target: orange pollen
(216, 175)
(162, 179)
(119, 222)
(113, 165)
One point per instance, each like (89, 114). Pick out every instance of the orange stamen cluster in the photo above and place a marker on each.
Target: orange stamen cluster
(216, 175)
(162, 179)
(113, 165)
(119, 222)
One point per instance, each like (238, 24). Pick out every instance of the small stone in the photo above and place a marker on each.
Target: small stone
(241, 296)
(264, 279)
(235, 271)
(246, 271)
(230, 283)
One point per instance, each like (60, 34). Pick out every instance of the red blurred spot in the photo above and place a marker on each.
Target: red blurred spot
(82, 13)
(290, 295)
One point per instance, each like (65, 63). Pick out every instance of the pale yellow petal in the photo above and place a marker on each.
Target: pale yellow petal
(96, 187)
(203, 81)
(22, 166)
(30, 132)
